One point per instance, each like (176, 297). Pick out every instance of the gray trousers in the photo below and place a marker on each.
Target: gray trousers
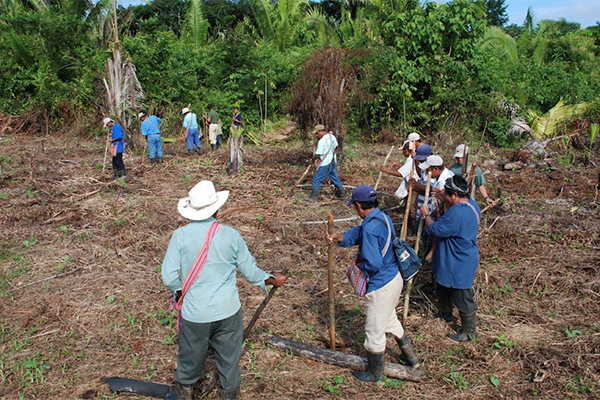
(462, 298)
(224, 337)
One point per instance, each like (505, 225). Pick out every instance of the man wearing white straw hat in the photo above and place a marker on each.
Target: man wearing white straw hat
(201, 263)
(190, 123)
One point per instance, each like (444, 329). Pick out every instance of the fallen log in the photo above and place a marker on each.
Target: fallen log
(344, 360)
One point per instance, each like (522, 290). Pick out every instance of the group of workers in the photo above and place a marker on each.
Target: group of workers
(151, 131)
(202, 257)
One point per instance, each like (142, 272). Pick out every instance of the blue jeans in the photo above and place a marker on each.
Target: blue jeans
(154, 146)
(329, 170)
(192, 139)
(219, 137)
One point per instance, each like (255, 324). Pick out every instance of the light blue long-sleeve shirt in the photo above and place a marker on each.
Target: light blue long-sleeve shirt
(150, 126)
(213, 296)
(190, 121)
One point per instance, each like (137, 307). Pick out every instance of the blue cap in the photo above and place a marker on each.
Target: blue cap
(363, 193)
(422, 152)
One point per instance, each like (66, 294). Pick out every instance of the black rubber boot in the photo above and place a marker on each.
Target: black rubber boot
(313, 196)
(340, 193)
(123, 172)
(184, 392)
(408, 353)
(116, 173)
(229, 394)
(444, 311)
(153, 161)
(190, 152)
(213, 147)
(160, 160)
(374, 372)
(199, 151)
(469, 328)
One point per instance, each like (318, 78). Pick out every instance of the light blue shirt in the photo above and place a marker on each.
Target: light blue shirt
(326, 149)
(190, 121)
(150, 126)
(213, 296)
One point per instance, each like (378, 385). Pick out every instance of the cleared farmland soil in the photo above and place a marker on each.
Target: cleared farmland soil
(537, 288)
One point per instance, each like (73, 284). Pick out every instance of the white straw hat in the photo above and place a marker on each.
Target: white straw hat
(185, 110)
(106, 121)
(203, 201)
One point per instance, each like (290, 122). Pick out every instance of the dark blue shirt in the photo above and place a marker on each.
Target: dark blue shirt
(371, 237)
(456, 256)
(237, 117)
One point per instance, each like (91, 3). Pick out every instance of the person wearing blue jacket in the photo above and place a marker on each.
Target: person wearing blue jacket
(377, 259)
(456, 256)
(116, 138)
(152, 133)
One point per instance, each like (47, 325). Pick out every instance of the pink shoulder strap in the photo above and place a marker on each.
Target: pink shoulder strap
(196, 268)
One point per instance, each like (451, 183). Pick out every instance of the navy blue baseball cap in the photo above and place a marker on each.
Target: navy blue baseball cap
(363, 193)
(422, 152)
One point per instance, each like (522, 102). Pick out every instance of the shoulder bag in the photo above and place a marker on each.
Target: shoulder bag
(357, 277)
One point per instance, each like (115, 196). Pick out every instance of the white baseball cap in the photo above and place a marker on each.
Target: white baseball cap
(140, 115)
(460, 151)
(432, 161)
(413, 137)
(107, 120)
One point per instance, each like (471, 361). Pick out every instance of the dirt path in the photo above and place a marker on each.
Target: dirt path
(538, 288)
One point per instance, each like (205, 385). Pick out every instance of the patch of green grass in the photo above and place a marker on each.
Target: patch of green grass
(17, 267)
(333, 386)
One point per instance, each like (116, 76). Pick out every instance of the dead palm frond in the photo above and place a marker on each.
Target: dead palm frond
(545, 126)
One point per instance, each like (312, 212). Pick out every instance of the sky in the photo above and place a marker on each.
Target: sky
(586, 12)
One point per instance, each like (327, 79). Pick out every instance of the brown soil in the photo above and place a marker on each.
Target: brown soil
(537, 287)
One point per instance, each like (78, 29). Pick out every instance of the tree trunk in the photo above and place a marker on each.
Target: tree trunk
(345, 360)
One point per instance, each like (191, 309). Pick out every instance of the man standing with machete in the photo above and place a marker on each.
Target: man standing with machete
(204, 273)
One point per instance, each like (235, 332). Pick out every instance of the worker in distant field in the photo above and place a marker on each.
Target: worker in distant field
(326, 164)
(404, 171)
(152, 133)
(376, 258)
(213, 121)
(237, 119)
(478, 179)
(190, 123)
(201, 263)
(456, 255)
(116, 140)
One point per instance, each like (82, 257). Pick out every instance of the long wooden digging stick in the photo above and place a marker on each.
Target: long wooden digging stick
(384, 163)
(301, 178)
(404, 232)
(330, 251)
(417, 244)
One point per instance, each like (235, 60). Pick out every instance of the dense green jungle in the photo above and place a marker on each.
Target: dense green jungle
(370, 70)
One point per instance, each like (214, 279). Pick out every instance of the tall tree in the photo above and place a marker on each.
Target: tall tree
(496, 12)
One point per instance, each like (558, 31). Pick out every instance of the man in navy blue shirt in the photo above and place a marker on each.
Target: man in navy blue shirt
(456, 256)
(377, 259)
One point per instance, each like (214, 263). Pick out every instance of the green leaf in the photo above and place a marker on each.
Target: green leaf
(495, 381)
